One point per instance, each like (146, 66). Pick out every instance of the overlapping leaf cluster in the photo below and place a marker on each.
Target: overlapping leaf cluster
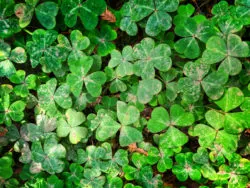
(171, 100)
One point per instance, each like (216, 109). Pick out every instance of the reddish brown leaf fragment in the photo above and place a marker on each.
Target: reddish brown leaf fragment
(133, 148)
(108, 16)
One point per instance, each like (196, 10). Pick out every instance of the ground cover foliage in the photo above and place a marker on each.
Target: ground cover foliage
(136, 93)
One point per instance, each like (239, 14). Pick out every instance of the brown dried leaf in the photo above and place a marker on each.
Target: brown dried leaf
(3, 131)
(108, 16)
(133, 148)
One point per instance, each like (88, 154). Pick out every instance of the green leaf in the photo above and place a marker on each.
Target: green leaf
(5, 166)
(232, 98)
(74, 47)
(94, 82)
(227, 51)
(159, 120)
(103, 39)
(213, 84)
(49, 154)
(158, 18)
(42, 52)
(149, 56)
(122, 61)
(46, 13)
(17, 55)
(108, 128)
(173, 138)
(8, 23)
(62, 97)
(77, 133)
(179, 117)
(191, 30)
(185, 167)
(206, 135)
(147, 89)
(129, 135)
(235, 122)
(127, 114)
(71, 127)
(88, 11)
(25, 12)
(215, 119)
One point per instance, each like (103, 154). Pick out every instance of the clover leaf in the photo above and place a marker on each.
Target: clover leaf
(34, 132)
(10, 111)
(126, 23)
(242, 12)
(240, 167)
(149, 56)
(46, 13)
(25, 83)
(75, 47)
(147, 89)
(113, 165)
(183, 13)
(79, 75)
(215, 134)
(93, 178)
(71, 126)
(191, 31)
(25, 11)
(161, 157)
(73, 177)
(8, 23)
(185, 167)
(88, 11)
(127, 114)
(122, 61)
(146, 178)
(160, 120)
(114, 182)
(220, 9)
(103, 39)
(217, 50)
(49, 154)
(232, 98)
(5, 167)
(196, 73)
(42, 52)
(49, 96)
(8, 56)
(156, 11)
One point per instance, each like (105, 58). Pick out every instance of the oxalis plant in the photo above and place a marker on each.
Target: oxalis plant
(129, 93)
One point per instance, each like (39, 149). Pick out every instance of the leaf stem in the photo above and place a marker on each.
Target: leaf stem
(27, 31)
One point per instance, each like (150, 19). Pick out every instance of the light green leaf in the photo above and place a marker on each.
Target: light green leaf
(147, 89)
(129, 135)
(25, 12)
(127, 114)
(213, 84)
(173, 138)
(62, 97)
(215, 119)
(107, 129)
(5, 166)
(94, 82)
(74, 118)
(159, 120)
(179, 117)
(232, 98)
(77, 133)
